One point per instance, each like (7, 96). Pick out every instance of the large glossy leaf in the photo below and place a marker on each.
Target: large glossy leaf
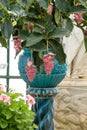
(4, 3)
(41, 46)
(58, 50)
(57, 16)
(63, 5)
(63, 31)
(24, 34)
(34, 39)
(78, 8)
(42, 3)
(7, 29)
(18, 11)
(23, 3)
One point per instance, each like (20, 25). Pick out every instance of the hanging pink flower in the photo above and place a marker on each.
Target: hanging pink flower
(30, 99)
(48, 62)
(17, 43)
(78, 17)
(50, 9)
(5, 98)
(1, 87)
(30, 70)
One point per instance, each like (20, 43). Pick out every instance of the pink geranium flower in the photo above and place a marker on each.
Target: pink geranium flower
(1, 87)
(30, 99)
(5, 98)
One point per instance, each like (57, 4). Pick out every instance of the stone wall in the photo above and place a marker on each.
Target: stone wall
(71, 101)
(71, 109)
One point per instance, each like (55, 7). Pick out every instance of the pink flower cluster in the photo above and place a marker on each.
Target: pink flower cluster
(30, 99)
(5, 98)
(48, 62)
(30, 70)
(17, 43)
(1, 87)
(78, 17)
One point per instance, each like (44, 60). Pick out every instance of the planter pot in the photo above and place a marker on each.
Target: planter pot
(43, 89)
(42, 79)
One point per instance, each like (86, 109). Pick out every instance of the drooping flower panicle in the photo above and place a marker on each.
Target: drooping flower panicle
(30, 70)
(17, 43)
(78, 17)
(48, 62)
(50, 9)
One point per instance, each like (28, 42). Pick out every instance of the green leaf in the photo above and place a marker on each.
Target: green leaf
(42, 3)
(85, 38)
(1, 14)
(23, 34)
(58, 50)
(84, 3)
(38, 30)
(23, 3)
(50, 28)
(7, 29)
(34, 39)
(3, 42)
(18, 11)
(37, 59)
(41, 46)
(62, 31)
(78, 8)
(4, 3)
(63, 5)
(3, 123)
(8, 114)
(57, 16)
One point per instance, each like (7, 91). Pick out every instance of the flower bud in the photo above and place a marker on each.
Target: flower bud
(30, 26)
(50, 9)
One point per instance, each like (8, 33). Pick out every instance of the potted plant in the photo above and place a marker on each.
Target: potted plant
(39, 25)
(15, 112)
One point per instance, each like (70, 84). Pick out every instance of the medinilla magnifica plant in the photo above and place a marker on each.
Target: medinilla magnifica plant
(40, 26)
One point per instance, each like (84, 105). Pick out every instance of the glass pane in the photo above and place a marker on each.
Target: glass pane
(3, 82)
(3, 60)
(13, 61)
(18, 85)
